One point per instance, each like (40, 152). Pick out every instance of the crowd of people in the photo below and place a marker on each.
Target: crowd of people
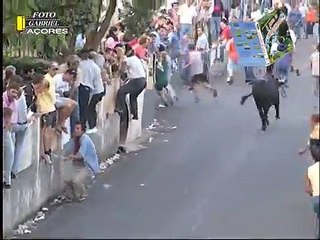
(186, 38)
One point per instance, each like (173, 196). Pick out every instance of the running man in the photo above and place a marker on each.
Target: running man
(198, 77)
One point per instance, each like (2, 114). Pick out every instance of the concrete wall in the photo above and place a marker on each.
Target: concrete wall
(27, 153)
(40, 182)
(135, 127)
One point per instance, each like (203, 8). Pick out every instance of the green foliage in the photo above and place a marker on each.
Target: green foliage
(79, 15)
(26, 64)
(136, 19)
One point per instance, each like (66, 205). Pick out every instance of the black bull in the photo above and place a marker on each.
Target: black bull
(265, 94)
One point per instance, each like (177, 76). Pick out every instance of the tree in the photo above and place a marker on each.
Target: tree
(80, 15)
(47, 46)
(136, 19)
(99, 29)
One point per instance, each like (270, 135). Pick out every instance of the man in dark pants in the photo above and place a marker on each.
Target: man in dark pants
(137, 82)
(91, 91)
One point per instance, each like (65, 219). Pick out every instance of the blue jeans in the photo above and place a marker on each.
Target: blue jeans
(8, 154)
(231, 66)
(74, 117)
(304, 26)
(185, 29)
(297, 30)
(283, 72)
(215, 28)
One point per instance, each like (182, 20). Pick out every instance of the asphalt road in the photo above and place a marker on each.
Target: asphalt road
(215, 176)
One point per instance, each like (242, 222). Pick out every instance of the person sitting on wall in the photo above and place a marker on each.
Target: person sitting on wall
(64, 104)
(43, 89)
(84, 161)
(72, 62)
(134, 86)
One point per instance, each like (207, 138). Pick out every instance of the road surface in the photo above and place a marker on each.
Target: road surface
(214, 176)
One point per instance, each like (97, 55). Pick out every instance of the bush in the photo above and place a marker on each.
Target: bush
(26, 64)
(135, 19)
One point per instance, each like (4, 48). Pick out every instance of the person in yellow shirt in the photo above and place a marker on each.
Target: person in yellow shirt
(44, 90)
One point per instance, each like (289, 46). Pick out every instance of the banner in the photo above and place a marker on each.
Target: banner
(276, 36)
(249, 44)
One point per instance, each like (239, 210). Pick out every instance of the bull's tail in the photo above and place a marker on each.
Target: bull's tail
(244, 98)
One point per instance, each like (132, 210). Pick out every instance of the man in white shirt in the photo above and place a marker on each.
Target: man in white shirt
(91, 91)
(198, 76)
(97, 94)
(137, 82)
(303, 10)
(294, 40)
(64, 103)
(186, 13)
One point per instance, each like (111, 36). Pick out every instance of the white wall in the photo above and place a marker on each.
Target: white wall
(31, 144)
(135, 126)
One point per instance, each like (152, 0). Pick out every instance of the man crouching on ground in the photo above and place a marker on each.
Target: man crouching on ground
(84, 162)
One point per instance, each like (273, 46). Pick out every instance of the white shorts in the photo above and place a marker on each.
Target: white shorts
(61, 102)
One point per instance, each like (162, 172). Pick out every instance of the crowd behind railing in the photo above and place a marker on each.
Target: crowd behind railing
(187, 39)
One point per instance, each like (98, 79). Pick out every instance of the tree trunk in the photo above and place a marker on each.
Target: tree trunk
(94, 37)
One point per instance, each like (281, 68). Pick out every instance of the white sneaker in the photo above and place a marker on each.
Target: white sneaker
(47, 159)
(93, 130)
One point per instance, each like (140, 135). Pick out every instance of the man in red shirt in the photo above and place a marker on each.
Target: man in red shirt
(133, 42)
(224, 37)
(140, 49)
(226, 31)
